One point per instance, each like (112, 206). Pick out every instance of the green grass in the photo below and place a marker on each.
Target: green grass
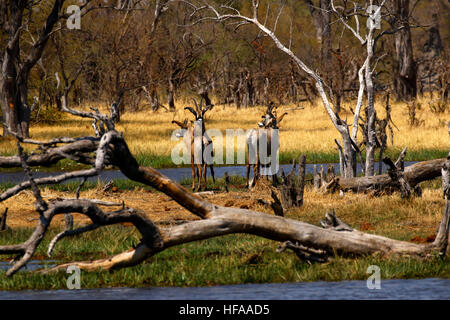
(233, 259)
(311, 157)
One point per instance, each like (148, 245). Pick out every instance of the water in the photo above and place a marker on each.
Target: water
(30, 266)
(176, 174)
(422, 289)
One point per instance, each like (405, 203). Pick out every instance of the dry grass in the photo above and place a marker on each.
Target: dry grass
(307, 130)
(387, 215)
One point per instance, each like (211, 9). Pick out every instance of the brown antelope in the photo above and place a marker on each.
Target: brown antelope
(255, 138)
(196, 140)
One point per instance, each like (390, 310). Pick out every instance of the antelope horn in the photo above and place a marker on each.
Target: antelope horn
(182, 125)
(281, 117)
(207, 108)
(191, 110)
(196, 106)
(270, 107)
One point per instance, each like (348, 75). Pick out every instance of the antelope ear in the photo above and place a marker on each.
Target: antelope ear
(181, 125)
(280, 118)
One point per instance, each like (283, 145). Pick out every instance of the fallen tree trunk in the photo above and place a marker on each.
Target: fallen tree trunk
(223, 221)
(77, 150)
(414, 174)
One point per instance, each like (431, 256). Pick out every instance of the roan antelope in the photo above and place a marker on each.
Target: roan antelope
(196, 140)
(256, 137)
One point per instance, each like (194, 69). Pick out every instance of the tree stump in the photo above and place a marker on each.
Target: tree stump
(291, 190)
(3, 220)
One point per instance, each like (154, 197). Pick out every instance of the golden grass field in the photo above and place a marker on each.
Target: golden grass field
(307, 130)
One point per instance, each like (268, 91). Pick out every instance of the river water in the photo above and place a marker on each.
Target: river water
(421, 289)
(176, 174)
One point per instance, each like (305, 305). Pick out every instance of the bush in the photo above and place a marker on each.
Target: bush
(47, 114)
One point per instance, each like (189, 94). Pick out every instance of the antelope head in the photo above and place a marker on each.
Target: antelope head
(199, 111)
(270, 119)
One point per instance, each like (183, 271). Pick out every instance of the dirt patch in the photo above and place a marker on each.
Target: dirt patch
(430, 238)
(366, 226)
(159, 207)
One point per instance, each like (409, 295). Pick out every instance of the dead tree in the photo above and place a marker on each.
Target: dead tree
(3, 220)
(381, 127)
(413, 174)
(153, 98)
(321, 14)
(405, 77)
(397, 175)
(334, 237)
(292, 189)
(433, 66)
(50, 152)
(366, 76)
(15, 71)
(301, 179)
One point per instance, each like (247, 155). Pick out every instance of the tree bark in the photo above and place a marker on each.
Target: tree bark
(171, 95)
(414, 174)
(321, 14)
(301, 179)
(14, 75)
(405, 77)
(9, 86)
(3, 218)
(77, 150)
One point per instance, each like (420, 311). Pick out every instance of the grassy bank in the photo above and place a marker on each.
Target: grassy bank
(308, 130)
(233, 259)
